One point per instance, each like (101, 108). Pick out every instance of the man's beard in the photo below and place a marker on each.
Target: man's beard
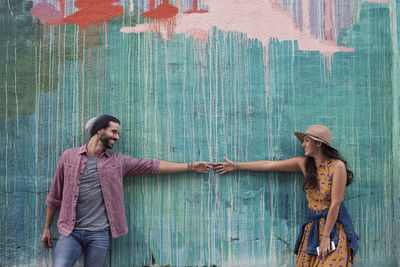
(105, 140)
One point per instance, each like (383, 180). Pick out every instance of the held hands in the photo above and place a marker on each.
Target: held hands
(223, 167)
(219, 167)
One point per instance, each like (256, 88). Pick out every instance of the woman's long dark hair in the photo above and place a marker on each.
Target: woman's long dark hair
(310, 180)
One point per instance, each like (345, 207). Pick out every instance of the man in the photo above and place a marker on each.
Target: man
(88, 189)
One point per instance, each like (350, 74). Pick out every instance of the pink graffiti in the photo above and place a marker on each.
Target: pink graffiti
(47, 13)
(258, 19)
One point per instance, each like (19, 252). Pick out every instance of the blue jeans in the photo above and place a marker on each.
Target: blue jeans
(93, 245)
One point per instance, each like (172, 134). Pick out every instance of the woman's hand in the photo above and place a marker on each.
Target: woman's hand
(324, 247)
(223, 167)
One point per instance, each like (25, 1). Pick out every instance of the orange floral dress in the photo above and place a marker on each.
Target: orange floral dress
(319, 199)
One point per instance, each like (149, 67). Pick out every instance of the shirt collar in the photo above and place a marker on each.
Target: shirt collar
(83, 150)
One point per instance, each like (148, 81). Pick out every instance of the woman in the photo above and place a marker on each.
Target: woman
(327, 237)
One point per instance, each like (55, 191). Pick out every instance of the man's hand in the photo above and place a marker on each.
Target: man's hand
(46, 239)
(201, 166)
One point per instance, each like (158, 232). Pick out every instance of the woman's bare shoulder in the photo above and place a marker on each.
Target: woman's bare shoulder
(337, 164)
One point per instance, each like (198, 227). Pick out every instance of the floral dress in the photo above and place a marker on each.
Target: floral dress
(319, 199)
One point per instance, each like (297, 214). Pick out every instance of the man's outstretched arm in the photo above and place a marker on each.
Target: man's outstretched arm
(174, 167)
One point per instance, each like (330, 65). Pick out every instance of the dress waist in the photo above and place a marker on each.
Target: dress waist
(313, 237)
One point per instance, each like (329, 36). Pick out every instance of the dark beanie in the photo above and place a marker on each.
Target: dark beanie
(101, 122)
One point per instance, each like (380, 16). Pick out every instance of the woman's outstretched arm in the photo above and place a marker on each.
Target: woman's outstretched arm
(296, 164)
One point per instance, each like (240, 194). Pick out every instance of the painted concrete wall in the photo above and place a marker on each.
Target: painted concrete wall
(200, 80)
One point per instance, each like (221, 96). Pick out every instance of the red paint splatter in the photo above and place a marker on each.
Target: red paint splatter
(162, 12)
(196, 9)
(94, 11)
(163, 15)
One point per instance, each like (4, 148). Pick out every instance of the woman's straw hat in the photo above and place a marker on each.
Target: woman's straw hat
(319, 133)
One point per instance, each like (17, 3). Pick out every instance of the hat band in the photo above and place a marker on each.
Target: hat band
(318, 138)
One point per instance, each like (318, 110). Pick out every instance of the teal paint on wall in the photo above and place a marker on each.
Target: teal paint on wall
(187, 100)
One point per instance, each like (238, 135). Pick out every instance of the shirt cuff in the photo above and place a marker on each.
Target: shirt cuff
(53, 203)
(156, 166)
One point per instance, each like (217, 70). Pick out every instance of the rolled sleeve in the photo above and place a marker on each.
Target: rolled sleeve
(140, 167)
(54, 197)
(52, 202)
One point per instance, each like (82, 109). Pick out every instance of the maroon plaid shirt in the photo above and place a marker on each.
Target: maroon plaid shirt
(112, 167)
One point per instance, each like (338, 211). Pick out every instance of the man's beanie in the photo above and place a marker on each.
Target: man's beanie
(96, 124)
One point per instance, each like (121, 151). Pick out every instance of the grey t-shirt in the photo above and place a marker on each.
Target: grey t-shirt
(91, 212)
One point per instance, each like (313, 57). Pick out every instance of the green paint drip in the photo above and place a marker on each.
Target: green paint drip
(23, 77)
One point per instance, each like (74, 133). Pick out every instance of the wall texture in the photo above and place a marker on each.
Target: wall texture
(200, 80)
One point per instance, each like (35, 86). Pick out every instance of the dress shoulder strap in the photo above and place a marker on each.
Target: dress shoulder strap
(330, 165)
